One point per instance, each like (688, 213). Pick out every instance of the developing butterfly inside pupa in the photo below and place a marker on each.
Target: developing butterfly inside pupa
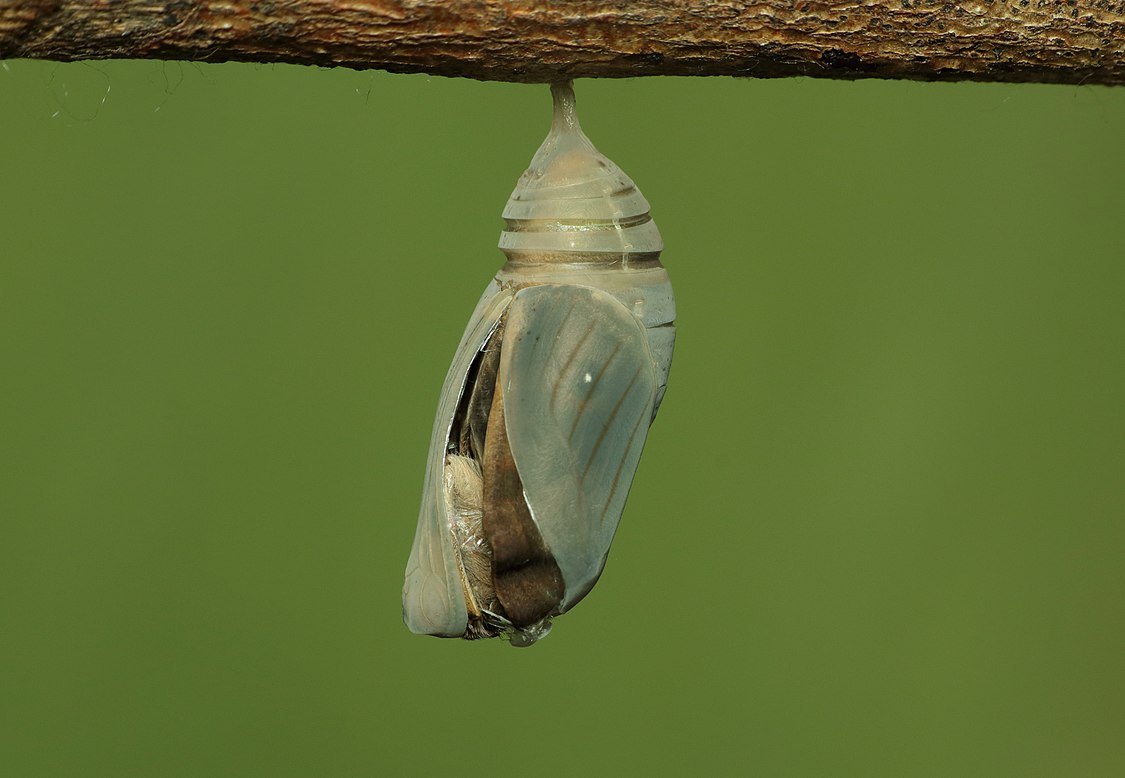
(547, 404)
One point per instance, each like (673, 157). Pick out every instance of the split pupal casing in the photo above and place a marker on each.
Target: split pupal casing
(546, 407)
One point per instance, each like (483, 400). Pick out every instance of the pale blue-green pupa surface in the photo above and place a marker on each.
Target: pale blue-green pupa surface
(546, 407)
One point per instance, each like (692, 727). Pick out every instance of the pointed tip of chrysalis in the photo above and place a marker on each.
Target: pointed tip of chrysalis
(566, 112)
(566, 155)
(570, 181)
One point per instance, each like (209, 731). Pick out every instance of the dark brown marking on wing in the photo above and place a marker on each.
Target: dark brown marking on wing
(528, 581)
(475, 423)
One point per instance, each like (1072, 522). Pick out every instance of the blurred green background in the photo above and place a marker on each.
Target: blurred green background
(878, 530)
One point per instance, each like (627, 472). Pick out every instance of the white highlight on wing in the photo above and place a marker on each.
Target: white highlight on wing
(576, 443)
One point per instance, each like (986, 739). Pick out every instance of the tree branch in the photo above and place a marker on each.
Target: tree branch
(1063, 41)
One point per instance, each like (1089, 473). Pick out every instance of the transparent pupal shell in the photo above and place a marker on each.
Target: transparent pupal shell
(547, 404)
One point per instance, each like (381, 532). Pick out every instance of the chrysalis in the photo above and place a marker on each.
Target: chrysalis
(547, 404)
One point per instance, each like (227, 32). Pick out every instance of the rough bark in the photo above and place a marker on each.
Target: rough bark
(1066, 41)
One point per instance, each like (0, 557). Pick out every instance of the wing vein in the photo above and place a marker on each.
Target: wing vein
(569, 361)
(609, 422)
(582, 405)
(620, 466)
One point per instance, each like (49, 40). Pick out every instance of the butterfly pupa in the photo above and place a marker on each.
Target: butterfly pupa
(548, 401)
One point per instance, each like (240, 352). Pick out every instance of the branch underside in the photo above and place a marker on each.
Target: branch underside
(1060, 41)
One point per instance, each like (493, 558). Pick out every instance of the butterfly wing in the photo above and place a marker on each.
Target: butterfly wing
(579, 387)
